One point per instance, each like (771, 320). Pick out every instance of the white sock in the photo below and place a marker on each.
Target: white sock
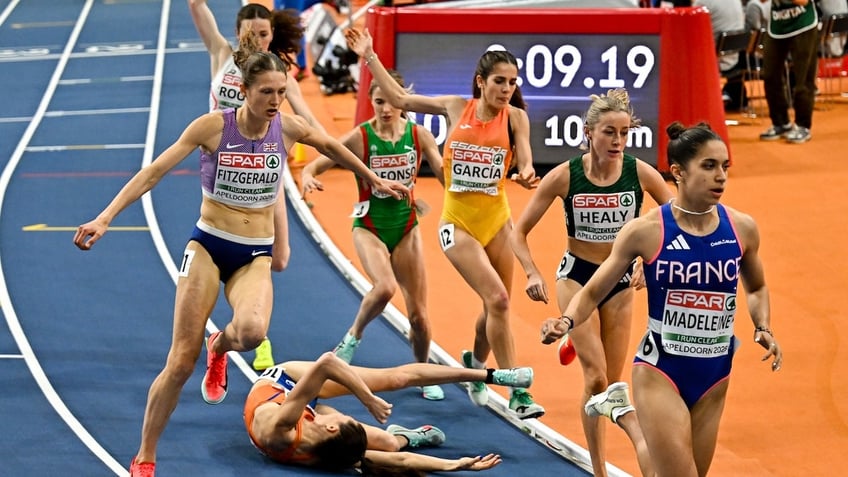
(616, 413)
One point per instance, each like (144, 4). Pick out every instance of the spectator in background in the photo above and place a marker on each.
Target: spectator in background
(756, 14)
(298, 6)
(728, 15)
(673, 4)
(835, 46)
(756, 20)
(792, 33)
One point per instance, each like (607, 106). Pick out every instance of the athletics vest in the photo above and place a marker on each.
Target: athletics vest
(244, 172)
(225, 89)
(596, 213)
(399, 162)
(477, 154)
(692, 285)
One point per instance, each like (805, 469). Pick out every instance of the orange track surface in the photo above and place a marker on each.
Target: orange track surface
(788, 423)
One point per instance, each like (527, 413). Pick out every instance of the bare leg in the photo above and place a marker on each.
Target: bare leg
(629, 423)
(408, 264)
(376, 261)
(392, 379)
(486, 271)
(665, 422)
(706, 415)
(601, 345)
(250, 293)
(195, 297)
(590, 351)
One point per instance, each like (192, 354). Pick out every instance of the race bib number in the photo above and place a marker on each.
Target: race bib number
(565, 266)
(447, 236)
(360, 209)
(698, 323)
(274, 373)
(394, 167)
(247, 179)
(477, 168)
(648, 350)
(599, 217)
(188, 256)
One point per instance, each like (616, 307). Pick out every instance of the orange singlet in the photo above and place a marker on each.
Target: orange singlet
(266, 391)
(477, 157)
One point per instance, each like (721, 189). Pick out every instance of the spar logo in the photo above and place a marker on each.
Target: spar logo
(603, 201)
(241, 160)
(708, 301)
(479, 156)
(398, 160)
(231, 80)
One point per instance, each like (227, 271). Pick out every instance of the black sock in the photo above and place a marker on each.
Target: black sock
(490, 376)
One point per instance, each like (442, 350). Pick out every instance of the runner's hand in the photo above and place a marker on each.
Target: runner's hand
(526, 179)
(380, 409)
(477, 463)
(89, 233)
(392, 188)
(553, 329)
(536, 289)
(767, 341)
(309, 183)
(360, 42)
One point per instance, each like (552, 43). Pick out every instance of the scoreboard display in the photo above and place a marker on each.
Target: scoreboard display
(665, 58)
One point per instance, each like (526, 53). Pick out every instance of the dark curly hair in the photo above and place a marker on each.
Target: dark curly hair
(285, 24)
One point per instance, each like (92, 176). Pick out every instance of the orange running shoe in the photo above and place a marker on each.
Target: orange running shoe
(214, 386)
(142, 469)
(567, 353)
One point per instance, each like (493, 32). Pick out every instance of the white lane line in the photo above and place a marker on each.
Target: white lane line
(39, 54)
(118, 79)
(85, 112)
(11, 356)
(6, 301)
(82, 112)
(8, 11)
(83, 147)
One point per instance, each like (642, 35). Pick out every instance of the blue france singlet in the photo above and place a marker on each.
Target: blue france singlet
(692, 283)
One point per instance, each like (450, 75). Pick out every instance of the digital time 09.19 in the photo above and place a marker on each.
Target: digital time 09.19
(557, 74)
